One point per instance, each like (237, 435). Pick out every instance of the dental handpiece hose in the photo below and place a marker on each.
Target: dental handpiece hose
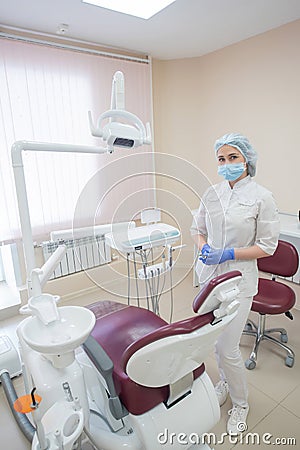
(43, 442)
(170, 257)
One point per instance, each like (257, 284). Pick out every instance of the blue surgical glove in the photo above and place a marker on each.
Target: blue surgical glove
(218, 256)
(204, 252)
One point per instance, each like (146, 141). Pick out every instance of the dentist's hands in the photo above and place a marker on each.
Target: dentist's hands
(204, 252)
(211, 256)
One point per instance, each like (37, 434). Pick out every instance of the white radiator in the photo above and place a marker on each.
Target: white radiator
(83, 253)
(86, 248)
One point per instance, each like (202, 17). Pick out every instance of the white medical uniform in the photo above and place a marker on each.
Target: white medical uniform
(237, 217)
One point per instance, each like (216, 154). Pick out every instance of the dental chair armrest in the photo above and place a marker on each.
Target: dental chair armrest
(105, 366)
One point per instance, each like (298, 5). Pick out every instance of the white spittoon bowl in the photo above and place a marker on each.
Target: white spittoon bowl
(60, 336)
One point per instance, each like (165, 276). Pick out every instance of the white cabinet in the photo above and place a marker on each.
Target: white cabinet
(290, 232)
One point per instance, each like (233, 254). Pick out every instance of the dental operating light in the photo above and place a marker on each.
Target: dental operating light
(116, 133)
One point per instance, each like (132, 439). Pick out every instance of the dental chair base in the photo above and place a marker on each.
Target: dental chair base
(162, 426)
(138, 383)
(156, 370)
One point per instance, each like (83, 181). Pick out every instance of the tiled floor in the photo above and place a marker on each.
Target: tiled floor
(274, 389)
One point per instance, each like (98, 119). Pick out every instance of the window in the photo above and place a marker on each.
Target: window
(45, 96)
(10, 276)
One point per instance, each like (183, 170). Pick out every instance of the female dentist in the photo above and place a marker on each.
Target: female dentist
(237, 223)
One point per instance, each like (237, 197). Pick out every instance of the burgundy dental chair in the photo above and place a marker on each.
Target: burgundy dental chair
(149, 364)
(273, 298)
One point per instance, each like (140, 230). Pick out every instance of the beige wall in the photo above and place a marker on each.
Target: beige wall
(252, 87)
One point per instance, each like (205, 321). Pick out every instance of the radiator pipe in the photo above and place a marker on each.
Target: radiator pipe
(23, 422)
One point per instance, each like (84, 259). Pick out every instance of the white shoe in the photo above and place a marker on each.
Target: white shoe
(222, 390)
(237, 422)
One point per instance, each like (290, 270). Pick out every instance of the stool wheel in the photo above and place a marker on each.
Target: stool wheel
(250, 364)
(284, 338)
(289, 361)
(248, 327)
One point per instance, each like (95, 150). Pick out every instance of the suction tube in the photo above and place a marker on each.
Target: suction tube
(23, 422)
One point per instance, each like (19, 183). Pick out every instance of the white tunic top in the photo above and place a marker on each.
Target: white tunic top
(240, 217)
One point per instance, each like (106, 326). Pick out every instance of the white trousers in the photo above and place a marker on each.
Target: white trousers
(228, 355)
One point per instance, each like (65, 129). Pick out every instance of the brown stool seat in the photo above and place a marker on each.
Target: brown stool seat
(273, 298)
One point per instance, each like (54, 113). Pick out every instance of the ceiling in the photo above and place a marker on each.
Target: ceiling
(186, 28)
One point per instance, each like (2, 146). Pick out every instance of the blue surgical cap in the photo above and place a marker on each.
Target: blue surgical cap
(241, 143)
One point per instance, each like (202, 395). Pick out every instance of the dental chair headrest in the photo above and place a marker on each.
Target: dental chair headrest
(219, 289)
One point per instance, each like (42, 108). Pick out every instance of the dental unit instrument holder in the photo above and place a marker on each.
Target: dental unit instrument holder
(151, 273)
(139, 244)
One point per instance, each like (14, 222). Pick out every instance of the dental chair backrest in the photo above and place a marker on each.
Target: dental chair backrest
(173, 351)
(135, 350)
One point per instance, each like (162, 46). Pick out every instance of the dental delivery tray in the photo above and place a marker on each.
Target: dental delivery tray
(143, 237)
(9, 357)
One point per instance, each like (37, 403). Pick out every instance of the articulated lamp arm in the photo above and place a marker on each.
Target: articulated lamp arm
(114, 133)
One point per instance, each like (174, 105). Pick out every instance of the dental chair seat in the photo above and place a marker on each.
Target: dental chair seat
(115, 333)
(123, 330)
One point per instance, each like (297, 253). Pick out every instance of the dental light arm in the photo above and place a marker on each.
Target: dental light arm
(113, 134)
(18, 168)
(118, 91)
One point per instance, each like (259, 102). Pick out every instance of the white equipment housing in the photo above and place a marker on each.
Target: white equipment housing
(143, 237)
(9, 357)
